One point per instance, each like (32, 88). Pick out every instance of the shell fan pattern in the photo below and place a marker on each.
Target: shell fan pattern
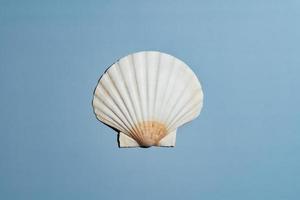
(146, 96)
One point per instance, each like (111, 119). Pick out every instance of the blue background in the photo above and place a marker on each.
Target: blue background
(245, 144)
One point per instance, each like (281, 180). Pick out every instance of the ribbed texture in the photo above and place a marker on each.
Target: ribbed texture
(148, 88)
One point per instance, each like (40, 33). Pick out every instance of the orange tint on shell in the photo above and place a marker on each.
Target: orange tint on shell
(149, 133)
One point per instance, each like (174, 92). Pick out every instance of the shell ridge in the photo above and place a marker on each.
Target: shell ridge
(138, 108)
(154, 117)
(135, 90)
(187, 118)
(133, 126)
(147, 84)
(140, 116)
(108, 115)
(110, 121)
(177, 99)
(113, 101)
(119, 95)
(184, 103)
(189, 110)
(166, 90)
(141, 62)
(139, 68)
(156, 85)
(168, 95)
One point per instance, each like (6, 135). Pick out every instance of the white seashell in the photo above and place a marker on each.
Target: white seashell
(146, 96)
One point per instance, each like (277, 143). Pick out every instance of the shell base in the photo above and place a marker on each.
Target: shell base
(126, 141)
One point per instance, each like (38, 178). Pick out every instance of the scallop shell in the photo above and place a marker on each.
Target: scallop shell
(146, 96)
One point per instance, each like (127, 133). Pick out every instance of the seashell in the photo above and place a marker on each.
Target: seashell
(146, 96)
